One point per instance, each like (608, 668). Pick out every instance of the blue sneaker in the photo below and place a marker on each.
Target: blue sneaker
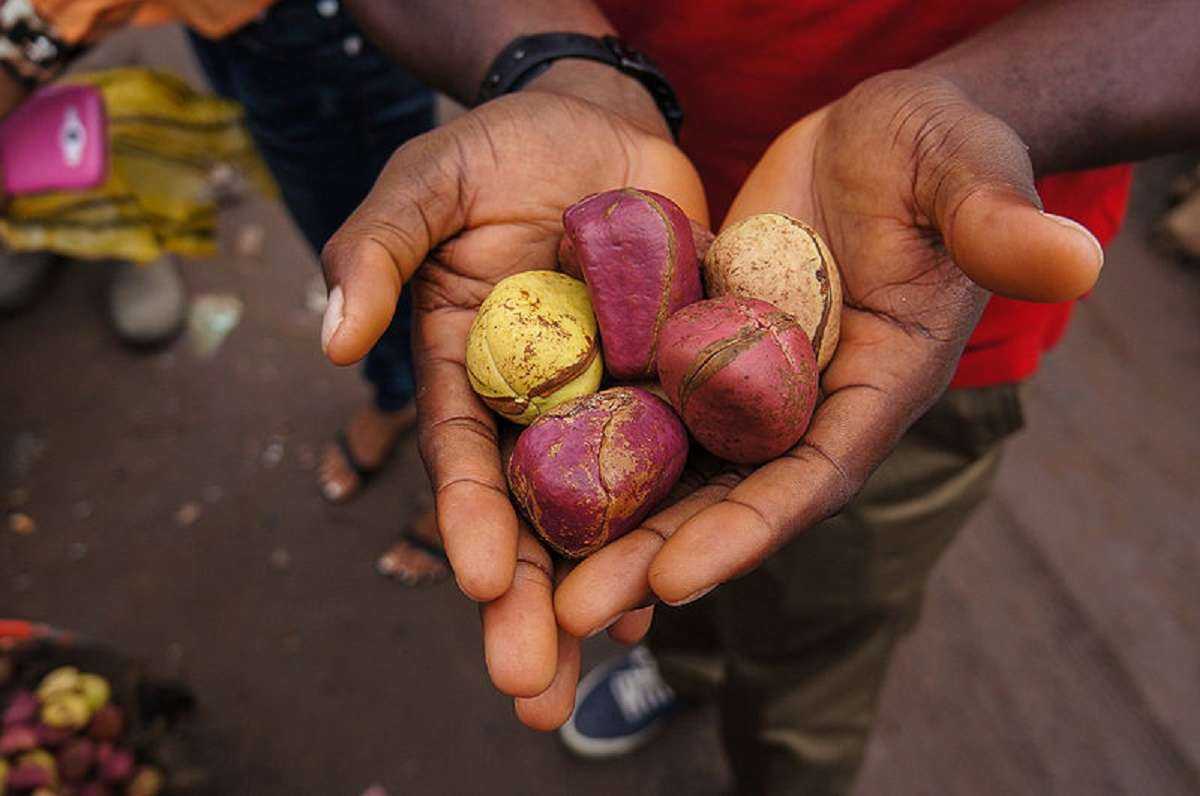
(619, 707)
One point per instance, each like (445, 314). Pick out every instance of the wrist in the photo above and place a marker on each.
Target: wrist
(1012, 104)
(605, 86)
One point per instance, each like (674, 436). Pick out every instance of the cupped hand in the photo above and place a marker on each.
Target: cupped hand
(927, 203)
(454, 212)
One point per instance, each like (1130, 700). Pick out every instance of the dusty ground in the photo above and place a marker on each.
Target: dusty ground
(176, 517)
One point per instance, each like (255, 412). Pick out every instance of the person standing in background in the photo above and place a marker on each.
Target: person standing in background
(326, 109)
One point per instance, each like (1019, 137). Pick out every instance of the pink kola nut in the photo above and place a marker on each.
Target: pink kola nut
(742, 374)
(588, 471)
(22, 708)
(17, 738)
(27, 776)
(117, 767)
(638, 257)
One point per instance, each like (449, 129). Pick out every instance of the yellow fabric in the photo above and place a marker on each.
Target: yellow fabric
(78, 21)
(165, 140)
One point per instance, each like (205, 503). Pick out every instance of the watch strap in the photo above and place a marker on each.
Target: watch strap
(526, 57)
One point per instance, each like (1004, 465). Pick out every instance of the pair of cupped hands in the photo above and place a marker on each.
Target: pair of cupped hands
(928, 205)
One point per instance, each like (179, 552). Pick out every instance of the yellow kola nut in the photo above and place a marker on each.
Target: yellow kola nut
(67, 711)
(43, 760)
(534, 345)
(783, 261)
(64, 679)
(95, 691)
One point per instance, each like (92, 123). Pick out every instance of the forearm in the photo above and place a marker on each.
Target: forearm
(449, 45)
(1087, 82)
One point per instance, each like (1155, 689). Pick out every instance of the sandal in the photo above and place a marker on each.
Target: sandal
(436, 566)
(334, 486)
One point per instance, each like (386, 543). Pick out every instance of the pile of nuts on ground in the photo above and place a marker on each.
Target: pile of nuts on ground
(66, 739)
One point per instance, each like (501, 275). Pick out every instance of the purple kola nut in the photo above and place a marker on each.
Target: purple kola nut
(22, 708)
(638, 258)
(52, 736)
(117, 767)
(588, 471)
(107, 724)
(24, 776)
(104, 750)
(17, 738)
(75, 759)
(568, 262)
(742, 374)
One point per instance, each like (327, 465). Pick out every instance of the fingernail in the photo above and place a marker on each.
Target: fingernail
(333, 317)
(605, 626)
(691, 598)
(1073, 224)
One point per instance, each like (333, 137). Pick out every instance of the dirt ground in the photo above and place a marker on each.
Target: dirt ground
(176, 517)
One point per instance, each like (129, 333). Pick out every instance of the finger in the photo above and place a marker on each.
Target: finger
(416, 203)
(520, 635)
(633, 626)
(975, 180)
(852, 431)
(614, 579)
(457, 436)
(550, 709)
(1009, 246)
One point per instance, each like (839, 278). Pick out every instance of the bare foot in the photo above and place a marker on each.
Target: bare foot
(371, 437)
(417, 558)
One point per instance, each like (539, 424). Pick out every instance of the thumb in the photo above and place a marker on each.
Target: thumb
(415, 204)
(991, 220)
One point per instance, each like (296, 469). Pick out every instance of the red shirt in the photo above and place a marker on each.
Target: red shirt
(747, 69)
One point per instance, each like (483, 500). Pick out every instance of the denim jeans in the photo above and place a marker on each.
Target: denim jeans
(326, 110)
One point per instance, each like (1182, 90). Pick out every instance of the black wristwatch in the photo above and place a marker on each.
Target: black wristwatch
(527, 57)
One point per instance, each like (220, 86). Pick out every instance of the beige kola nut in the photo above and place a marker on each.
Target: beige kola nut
(783, 261)
(534, 345)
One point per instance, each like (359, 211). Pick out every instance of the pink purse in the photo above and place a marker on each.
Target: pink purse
(55, 140)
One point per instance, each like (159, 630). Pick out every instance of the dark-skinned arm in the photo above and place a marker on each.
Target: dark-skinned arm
(455, 211)
(922, 181)
(1086, 82)
(450, 45)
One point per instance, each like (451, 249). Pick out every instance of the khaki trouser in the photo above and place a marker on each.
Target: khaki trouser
(796, 651)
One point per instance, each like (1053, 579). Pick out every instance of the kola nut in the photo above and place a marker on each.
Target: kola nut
(783, 261)
(533, 345)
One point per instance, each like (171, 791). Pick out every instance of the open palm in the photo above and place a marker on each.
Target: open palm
(923, 198)
(454, 212)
